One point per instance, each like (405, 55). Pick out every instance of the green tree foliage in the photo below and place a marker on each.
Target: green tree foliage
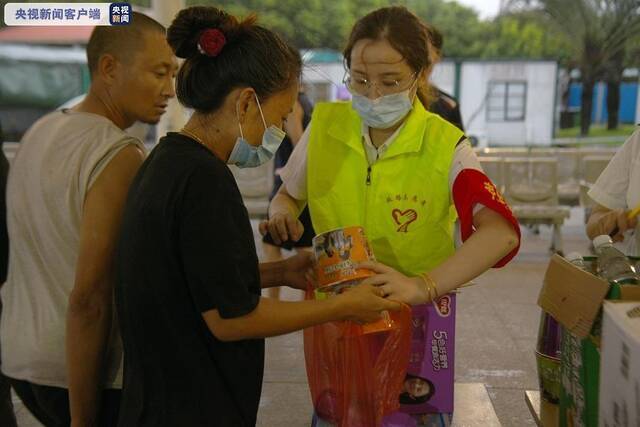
(601, 34)
(524, 35)
(322, 24)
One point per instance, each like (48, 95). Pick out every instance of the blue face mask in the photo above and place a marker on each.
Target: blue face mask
(382, 112)
(245, 155)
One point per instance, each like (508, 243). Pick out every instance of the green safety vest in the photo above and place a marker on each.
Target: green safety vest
(403, 200)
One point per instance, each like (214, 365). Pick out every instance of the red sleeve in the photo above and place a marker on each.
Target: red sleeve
(472, 186)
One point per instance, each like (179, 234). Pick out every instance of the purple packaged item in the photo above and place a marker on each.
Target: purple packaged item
(428, 395)
(430, 375)
(549, 336)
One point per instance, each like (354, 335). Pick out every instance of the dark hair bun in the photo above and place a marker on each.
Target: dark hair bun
(185, 30)
(222, 53)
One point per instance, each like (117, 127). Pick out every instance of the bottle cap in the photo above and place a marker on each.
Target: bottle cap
(574, 256)
(601, 240)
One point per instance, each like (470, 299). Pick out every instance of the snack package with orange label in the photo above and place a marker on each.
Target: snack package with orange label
(337, 254)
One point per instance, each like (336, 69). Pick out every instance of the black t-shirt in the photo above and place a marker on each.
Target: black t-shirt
(186, 247)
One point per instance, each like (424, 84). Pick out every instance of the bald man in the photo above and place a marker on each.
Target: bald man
(67, 187)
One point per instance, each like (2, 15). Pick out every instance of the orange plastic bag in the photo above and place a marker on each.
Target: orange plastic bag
(355, 378)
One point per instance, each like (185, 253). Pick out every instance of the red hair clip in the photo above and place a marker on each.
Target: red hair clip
(211, 42)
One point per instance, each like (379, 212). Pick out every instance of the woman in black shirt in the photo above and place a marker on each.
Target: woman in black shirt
(188, 279)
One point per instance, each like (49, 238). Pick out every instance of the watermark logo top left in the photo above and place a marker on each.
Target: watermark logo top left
(64, 14)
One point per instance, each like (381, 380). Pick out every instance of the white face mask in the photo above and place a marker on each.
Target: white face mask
(245, 155)
(385, 111)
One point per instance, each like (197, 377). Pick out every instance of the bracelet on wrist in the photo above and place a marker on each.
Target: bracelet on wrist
(430, 285)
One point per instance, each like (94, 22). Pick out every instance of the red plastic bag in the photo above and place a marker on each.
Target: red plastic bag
(355, 378)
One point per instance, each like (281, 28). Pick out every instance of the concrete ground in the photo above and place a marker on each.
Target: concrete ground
(497, 325)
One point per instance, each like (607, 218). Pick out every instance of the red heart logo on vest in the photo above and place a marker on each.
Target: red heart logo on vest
(404, 218)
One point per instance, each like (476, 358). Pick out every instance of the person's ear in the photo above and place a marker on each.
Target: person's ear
(244, 103)
(108, 67)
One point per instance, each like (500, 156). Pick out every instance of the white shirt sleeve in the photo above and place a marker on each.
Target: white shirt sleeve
(294, 173)
(611, 189)
(464, 158)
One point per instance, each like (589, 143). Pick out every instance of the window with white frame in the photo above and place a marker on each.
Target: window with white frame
(506, 101)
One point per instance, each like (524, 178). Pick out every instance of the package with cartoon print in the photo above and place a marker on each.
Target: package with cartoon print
(337, 253)
(428, 386)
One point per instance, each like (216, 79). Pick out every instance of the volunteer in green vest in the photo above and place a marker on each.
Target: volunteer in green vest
(409, 177)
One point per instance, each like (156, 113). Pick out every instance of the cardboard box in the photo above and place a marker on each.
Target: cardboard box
(431, 363)
(574, 297)
(620, 365)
